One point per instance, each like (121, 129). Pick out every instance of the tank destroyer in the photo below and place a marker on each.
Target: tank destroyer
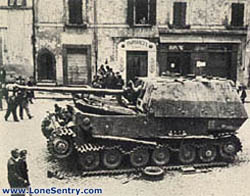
(171, 121)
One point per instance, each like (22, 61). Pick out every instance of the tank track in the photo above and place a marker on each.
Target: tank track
(82, 149)
(138, 170)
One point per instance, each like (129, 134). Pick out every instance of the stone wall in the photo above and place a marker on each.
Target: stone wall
(16, 35)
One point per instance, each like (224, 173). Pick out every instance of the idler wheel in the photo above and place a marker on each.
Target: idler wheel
(89, 160)
(207, 153)
(112, 158)
(187, 153)
(161, 156)
(228, 150)
(139, 158)
(60, 147)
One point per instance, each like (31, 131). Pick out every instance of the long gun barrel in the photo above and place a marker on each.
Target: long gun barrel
(84, 90)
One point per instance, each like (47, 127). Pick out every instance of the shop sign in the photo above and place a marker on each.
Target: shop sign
(137, 43)
(176, 47)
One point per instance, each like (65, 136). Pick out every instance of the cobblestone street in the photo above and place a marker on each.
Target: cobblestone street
(230, 181)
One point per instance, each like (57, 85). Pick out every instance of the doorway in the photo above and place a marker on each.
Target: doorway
(137, 64)
(46, 66)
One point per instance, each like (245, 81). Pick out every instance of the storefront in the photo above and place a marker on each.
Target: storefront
(137, 58)
(215, 59)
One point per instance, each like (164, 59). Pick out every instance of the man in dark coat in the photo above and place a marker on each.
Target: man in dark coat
(14, 179)
(23, 169)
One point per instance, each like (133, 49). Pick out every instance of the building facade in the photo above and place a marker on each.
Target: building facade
(16, 48)
(145, 38)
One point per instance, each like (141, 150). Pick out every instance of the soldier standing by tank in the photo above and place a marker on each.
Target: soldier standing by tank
(119, 83)
(14, 179)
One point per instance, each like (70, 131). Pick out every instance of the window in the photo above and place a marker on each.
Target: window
(16, 2)
(75, 11)
(179, 14)
(141, 12)
(237, 14)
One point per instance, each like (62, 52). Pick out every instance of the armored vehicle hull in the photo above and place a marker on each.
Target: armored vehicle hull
(174, 119)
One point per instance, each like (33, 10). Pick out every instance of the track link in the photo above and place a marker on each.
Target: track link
(166, 168)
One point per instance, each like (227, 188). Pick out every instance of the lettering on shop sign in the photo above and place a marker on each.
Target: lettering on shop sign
(137, 43)
(176, 47)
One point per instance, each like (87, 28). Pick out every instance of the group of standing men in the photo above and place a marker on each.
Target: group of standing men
(19, 98)
(17, 170)
(106, 78)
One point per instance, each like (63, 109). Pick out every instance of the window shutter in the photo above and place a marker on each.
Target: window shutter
(237, 14)
(183, 14)
(153, 12)
(240, 14)
(72, 17)
(177, 14)
(75, 11)
(78, 10)
(180, 14)
(130, 13)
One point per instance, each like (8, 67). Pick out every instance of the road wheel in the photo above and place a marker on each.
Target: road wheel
(89, 160)
(60, 147)
(139, 157)
(207, 153)
(187, 153)
(228, 150)
(112, 158)
(161, 156)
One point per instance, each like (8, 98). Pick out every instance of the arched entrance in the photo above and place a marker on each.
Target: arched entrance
(46, 65)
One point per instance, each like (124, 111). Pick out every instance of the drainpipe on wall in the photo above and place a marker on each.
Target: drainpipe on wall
(95, 37)
(34, 39)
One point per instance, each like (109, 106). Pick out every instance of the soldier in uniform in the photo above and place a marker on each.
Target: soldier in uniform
(1, 96)
(12, 106)
(23, 104)
(14, 179)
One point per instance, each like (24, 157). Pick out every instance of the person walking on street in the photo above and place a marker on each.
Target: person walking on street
(30, 93)
(24, 104)
(11, 107)
(1, 96)
(2, 75)
(243, 94)
(14, 179)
